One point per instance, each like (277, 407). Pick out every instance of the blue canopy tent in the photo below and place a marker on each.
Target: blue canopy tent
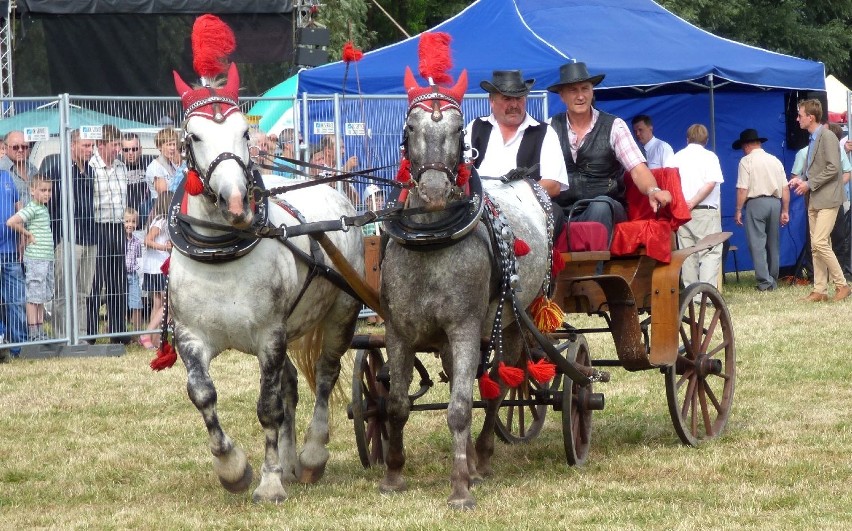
(655, 63)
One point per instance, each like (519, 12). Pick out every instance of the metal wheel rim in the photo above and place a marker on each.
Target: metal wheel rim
(699, 399)
(367, 394)
(576, 418)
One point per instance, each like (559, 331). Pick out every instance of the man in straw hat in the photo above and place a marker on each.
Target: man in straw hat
(762, 191)
(822, 179)
(509, 138)
(597, 148)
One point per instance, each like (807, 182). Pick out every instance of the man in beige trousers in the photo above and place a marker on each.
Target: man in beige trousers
(822, 178)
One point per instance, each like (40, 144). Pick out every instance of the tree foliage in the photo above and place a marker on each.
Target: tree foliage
(807, 29)
(346, 20)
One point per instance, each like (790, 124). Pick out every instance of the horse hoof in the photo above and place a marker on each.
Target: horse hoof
(388, 487)
(242, 484)
(462, 504)
(272, 494)
(309, 476)
(476, 480)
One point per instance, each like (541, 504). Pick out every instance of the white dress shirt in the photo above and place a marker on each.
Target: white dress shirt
(658, 153)
(698, 166)
(502, 157)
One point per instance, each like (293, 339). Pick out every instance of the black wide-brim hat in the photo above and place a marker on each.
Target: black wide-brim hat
(574, 73)
(508, 83)
(748, 135)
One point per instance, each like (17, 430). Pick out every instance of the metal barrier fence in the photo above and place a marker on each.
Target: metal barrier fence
(94, 289)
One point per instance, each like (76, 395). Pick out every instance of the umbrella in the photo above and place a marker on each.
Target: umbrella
(277, 114)
(48, 116)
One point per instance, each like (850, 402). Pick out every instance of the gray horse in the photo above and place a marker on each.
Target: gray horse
(255, 296)
(444, 297)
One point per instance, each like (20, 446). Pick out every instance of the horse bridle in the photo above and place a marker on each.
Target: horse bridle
(463, 215)
(218, 116)
(437, 109)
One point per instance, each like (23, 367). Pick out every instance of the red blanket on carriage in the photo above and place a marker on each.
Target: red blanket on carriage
(643, 228)
(647, 228)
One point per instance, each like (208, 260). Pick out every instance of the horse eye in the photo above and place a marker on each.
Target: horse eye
(246, 135)
(192, 137)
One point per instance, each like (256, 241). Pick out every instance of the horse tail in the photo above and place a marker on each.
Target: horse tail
(304, 352)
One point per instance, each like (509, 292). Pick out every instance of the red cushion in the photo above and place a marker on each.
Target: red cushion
(584, 236)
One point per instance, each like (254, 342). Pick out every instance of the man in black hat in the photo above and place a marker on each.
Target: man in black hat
(762, 191)
(597, 148)
(510, 138)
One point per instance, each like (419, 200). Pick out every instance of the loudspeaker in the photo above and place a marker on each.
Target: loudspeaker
(797, 138)
(313, 36)
(311, 56)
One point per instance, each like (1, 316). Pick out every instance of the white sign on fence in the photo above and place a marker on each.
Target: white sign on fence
(323, 128)
(355, 129)
(36, 134)
(91, 132)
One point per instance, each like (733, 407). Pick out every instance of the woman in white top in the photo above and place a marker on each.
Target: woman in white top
(161, 171)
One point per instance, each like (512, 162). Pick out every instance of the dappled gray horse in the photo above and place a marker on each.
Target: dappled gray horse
(229, 289)
(441, 282)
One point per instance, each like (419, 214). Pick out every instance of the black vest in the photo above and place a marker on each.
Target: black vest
(529, 152)
(597, 170)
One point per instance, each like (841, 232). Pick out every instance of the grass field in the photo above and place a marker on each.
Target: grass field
(108, 444)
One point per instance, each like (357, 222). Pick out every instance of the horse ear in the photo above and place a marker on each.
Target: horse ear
(457, 91)
(180, 84)
(232, 86)
(410, 83)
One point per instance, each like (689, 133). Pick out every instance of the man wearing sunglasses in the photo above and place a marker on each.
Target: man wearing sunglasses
(137, 187)
(17, 162)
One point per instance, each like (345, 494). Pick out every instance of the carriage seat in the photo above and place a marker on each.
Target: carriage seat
(648, 229)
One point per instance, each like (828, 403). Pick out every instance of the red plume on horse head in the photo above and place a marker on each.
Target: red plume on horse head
(212, 42)
(435, 63)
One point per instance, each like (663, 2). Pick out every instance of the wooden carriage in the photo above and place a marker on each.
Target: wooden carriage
(687, 334)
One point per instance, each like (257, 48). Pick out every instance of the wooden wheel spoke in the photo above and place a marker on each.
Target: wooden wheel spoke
(712, 396)
(686, 377)
(688, 397)
(705, 413)
(687, 344)
(723, 344)
(711, 328)
(693, 416)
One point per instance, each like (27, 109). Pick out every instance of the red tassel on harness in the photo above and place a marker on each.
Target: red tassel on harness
(511, 376)
(166, 357)
(212, 42)
(193, 185)
(488, 388)
(463, 174)
(165, 267)
(542, 371)
(351, 53)
(403, 175)
(522, 248)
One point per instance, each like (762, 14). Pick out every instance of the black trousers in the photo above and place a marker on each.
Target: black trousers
(110, 285)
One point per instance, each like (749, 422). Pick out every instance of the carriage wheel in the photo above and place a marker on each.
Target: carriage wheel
(577, 407)
(700, 385)
(522, 423)
(368, 407)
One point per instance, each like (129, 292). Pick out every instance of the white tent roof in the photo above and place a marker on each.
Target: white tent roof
(837, 94)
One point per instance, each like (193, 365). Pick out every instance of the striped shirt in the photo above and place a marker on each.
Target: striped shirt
(37, 219)
(110, 190)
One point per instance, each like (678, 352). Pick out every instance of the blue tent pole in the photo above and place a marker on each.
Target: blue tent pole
(712, 115)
